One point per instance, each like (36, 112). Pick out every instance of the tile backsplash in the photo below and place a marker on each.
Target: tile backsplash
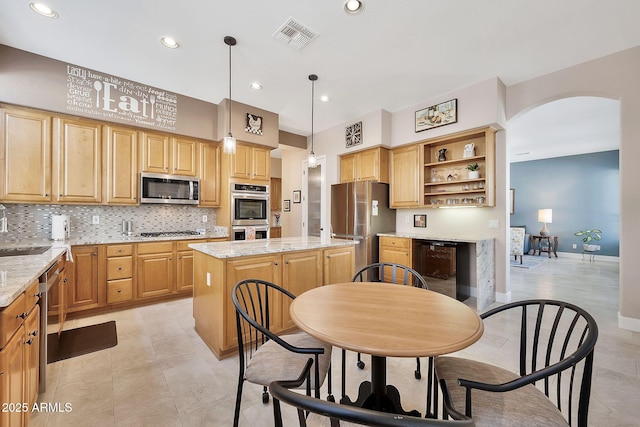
(26, 221)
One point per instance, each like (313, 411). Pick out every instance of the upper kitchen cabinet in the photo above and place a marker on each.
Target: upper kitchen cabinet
(25, 150)
(405, 177)
(209, 174)
(251, 162)
(447, 180)
(121, 165)
(160, 153)
(367, 165)
(77, 161)
(275, 194)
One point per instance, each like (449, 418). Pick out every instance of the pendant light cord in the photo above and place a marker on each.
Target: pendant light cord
(313, 85)
(229, 89)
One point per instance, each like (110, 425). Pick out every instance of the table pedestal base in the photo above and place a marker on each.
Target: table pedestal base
(377, 394)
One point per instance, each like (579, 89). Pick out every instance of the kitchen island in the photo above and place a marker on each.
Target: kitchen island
(295, 263)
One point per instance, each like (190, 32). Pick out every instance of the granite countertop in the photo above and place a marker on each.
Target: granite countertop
(417, 236)
(18, 272)
(235, 249)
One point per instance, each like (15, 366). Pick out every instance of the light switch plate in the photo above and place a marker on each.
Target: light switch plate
(494, 223)
(95, 219)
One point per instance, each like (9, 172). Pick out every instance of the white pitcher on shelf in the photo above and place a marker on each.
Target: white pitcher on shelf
(469, 150)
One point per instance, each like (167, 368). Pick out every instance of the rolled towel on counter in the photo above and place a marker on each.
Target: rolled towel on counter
(64, 246)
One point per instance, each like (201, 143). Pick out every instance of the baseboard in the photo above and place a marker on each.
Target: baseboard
(628, 323)
(603, 258)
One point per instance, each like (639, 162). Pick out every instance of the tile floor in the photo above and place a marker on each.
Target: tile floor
(161, 374)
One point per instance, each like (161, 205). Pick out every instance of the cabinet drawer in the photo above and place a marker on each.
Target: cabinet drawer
(11, 319)
(396, 242)
(32, 295)
(119, 268)
(119, 290)
(154, 248)
(184, 245)
(119, 250)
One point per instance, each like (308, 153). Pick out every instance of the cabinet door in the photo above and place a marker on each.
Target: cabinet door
(82, 290)
(12, 368)
(184, 156)
(121, 171)
(25, 148)
(405, 177)
(241, 162)
(32, 356)
(155, 275)
(301, 271)
(77, 161)
(184, 271)
(339, 265)
(263, 267)
(368, 165)
(154, 153)
(260, 164)
(275, 189)
(209, 175)
(348, 168)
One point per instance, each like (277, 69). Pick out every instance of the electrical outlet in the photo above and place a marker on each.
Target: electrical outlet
(493, 223)
(575, 246)
(95, 219)
(204, 218)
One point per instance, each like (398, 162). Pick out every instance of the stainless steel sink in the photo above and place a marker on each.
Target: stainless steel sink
(35, 250)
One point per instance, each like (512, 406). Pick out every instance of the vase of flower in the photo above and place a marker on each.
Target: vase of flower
(277, 217)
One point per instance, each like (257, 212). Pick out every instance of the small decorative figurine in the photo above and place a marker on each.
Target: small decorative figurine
(469, 150)
(442, 156)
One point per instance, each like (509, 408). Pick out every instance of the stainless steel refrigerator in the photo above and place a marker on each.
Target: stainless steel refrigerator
(359, 211)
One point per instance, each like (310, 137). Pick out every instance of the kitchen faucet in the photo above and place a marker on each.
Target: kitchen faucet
(3, 221)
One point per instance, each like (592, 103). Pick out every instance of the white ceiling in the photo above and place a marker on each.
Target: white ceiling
(393, 55)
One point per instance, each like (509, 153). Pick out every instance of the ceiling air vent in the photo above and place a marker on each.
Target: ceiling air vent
(295, 34)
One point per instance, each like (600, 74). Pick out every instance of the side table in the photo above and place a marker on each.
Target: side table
(552, 244)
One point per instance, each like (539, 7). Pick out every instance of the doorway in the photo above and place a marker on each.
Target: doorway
(314, 200)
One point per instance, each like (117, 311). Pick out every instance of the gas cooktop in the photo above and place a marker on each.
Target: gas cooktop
(170, 233)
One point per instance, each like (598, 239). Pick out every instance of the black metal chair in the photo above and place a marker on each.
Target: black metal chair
(551, 384)
(313, 411)
(264, 356)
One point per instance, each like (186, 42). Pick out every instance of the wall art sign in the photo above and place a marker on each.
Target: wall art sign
(353, 135)
(437, 115)
(107, 97)
(286, 206)
(297, 196)
(254, 124)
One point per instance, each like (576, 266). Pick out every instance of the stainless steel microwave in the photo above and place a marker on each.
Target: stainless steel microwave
(169, 189)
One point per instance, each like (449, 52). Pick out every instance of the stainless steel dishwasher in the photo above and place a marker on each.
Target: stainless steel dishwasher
(49, 284)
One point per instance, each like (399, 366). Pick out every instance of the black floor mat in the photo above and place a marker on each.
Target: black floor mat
(79, 341)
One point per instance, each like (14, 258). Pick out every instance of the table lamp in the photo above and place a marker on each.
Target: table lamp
(544, 216)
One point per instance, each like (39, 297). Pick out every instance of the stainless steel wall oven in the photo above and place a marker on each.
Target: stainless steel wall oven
(249, 205)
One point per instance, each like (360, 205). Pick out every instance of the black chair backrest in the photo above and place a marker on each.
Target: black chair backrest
(556, 346)
(281, 392)
(390, 272)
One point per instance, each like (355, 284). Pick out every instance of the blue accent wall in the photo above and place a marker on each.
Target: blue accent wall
(582, 190)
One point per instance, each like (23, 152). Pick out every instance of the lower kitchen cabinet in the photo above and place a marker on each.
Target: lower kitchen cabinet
(83, 289)
(338, 265)
(301, 271)
(396, 250)
(155, 269)
(184, 266)
(119, 273)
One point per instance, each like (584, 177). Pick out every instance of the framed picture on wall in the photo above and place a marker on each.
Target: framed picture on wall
(286, 206)
(297, 196)
(420, 221)
(437, 115)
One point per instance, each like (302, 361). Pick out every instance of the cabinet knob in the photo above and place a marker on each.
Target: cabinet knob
(119, 250)
(275, 263)
(95, 254)
(46, 195)
(23, 315)
(328, 257)
(119, 291)
(119, 268)
(34, 333)
(29, 341)
(286, 262)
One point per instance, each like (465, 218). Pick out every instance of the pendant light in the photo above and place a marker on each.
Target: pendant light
(229, 142)
(313, 162)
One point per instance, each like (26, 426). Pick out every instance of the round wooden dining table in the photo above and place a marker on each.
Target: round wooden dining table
(385, 320)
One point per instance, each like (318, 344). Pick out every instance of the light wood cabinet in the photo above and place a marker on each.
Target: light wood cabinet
(77, 161)
(163, 154)
(275, 232)
(184, 265)
(154, 269)
(397, 250)
(120, 172)
(209, 175)
(25, 150)
(251, 162)
(447, 182)
(275, 194)
(19, 357)
(83, 288)
(301, 271)
(405, 177)
(367, 165)
(119, 273)
(338, 265)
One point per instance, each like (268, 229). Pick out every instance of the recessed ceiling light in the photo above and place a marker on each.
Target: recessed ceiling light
(169, 42)
(256, 86)
(353, 6)
(325, 98)
(43, 10)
